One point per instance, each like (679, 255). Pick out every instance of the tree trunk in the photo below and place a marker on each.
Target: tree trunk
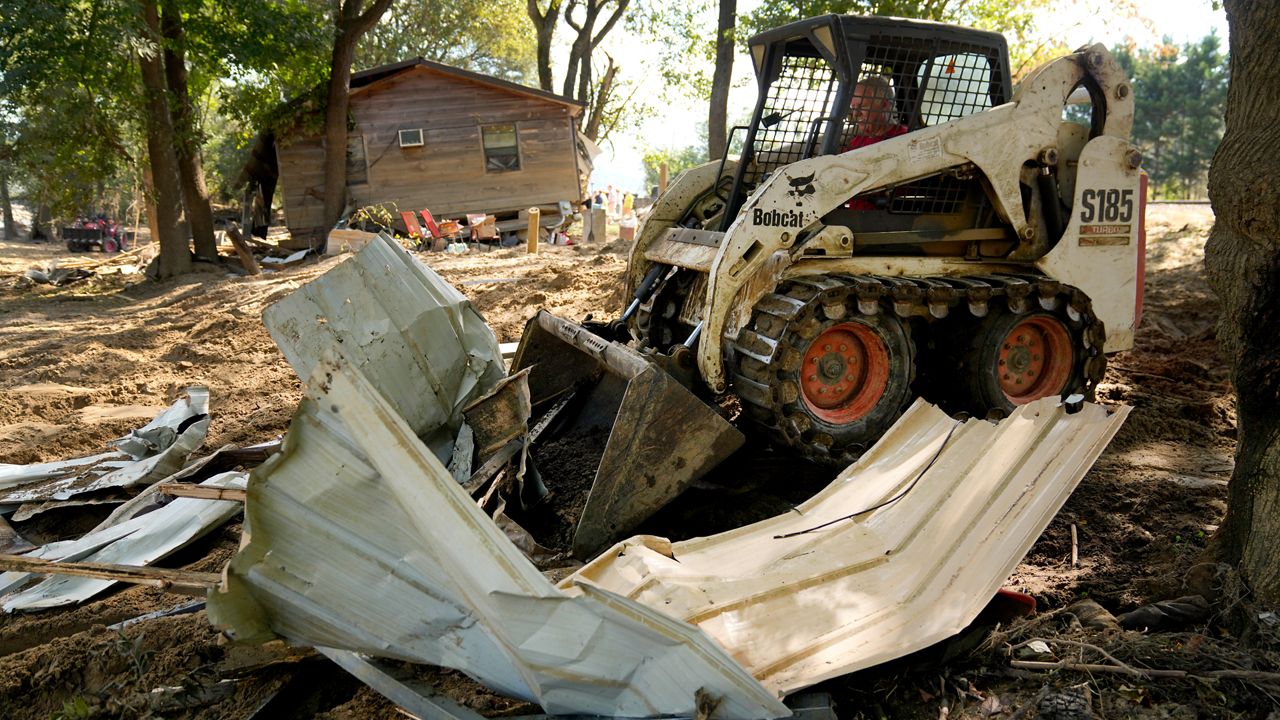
(6, 205)
(40, 222)
(577, 77)
(1242, 258)
(584, 78)
(579, 52)
(596, 115)
(544, 25)
(149, 202)
(718, 114)
(349, 24)
(175, 254)
(195, 195)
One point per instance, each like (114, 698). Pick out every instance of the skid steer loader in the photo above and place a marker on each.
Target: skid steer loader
(984, 251)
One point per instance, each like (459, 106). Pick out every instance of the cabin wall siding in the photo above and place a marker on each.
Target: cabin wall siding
(447, 174)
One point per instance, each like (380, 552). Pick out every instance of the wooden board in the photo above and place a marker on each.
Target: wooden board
(242, 250)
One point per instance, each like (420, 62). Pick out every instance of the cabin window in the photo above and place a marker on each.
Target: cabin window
(955, 86)
(501, 148)
(357, 165)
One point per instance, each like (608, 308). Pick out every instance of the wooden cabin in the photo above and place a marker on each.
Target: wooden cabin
(431, 136)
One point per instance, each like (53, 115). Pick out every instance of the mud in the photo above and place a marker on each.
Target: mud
(568, 466)
(82, 364)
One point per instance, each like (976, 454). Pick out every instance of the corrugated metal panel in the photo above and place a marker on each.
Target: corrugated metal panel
(154, 451)
(417, 338)
(361, 540)
(140, 541)
(797, 600)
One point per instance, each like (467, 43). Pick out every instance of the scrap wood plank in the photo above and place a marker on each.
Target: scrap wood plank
(86, 263)
(185, 582)
(203, 492)
(485, 473)
(242, 249)
(260, 243)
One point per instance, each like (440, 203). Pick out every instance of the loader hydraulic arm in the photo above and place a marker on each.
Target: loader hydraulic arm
(784, 210)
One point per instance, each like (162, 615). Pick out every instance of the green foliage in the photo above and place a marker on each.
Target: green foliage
(1180, 95)
(686, 31)
(677, 161)
(685, 36)
(224, 156)
(257, 53)
(375, 218)
(73, 102)
(77, 708)
(485, 36)
(137, 658)
(1012, 17)
(70, 97)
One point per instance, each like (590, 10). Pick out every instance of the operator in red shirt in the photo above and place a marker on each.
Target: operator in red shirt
(871, 120)
(871, 113)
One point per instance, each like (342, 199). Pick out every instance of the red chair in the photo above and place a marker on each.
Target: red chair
(432, 227)
(412, 226)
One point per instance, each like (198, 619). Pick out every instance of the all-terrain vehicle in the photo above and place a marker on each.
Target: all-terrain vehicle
(90, 232)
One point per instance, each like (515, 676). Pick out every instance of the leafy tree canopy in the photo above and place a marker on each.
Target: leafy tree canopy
(1181, 97)
(478, 35)
(677, 162)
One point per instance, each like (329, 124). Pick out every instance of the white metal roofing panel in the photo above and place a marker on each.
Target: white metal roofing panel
(797, 600)
(416, 337)
(154, 451)
(361, 540)
(140, 541)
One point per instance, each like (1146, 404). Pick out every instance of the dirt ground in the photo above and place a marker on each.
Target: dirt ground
(85, 363)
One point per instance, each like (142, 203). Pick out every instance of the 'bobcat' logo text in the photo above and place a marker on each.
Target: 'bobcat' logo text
(776, 218)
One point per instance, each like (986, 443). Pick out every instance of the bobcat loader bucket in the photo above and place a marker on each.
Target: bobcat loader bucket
(660, 437)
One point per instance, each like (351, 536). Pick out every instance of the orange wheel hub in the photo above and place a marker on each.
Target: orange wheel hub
(844, 373)
(1035, 360)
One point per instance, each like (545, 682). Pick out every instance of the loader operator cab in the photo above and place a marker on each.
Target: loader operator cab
(812, 73)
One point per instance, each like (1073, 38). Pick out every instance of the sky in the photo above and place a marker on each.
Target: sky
(676, 127)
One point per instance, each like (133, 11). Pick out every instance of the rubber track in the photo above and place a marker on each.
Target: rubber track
(782, 321)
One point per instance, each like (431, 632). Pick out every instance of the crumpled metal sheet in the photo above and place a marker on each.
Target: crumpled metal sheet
(417, 338)
(351, 524)
(361, 540)
(154, 451)
(140, 541)
(828, 589)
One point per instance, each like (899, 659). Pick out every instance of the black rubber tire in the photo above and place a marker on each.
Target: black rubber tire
(109, 245)
(976, 361)
(771, 352)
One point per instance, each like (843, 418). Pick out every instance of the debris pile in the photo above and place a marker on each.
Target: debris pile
(144, 527)
(62, 272)
(390, 523)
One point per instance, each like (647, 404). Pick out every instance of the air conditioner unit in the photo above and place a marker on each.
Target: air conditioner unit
(411, 138)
